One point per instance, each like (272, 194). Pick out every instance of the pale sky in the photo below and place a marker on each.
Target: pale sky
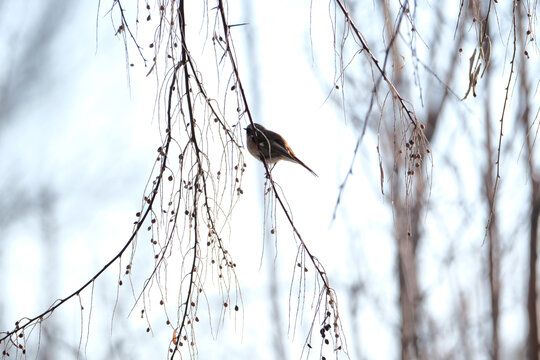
(90, 139)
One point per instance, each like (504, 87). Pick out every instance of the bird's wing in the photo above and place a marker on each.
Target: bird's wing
(279, 141)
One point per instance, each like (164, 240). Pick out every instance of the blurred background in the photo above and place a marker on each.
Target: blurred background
(425, 265)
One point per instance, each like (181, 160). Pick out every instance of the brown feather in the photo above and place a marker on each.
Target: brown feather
(271, 147)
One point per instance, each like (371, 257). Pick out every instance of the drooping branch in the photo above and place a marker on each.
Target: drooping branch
(502, 118)
(13, 335)
(404, 105)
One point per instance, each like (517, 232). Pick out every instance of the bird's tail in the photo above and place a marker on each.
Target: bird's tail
(297, 160)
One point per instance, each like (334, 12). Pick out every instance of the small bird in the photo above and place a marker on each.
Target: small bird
(271, 148)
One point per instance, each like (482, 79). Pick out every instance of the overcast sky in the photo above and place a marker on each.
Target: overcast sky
(86, 142)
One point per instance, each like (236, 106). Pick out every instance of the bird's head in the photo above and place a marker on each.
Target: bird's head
(250, 130)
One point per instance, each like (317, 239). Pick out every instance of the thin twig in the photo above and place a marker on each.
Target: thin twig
(138, 225)
(499, 147)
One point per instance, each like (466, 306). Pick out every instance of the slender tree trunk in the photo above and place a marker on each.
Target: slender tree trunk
(492, 231)
(494, 283)
(50, 273)
(409, 298)
(406, 223)
(275, 313)
(527, 123)
(532, 310)
(533, 345)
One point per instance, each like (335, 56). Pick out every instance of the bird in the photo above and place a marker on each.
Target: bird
(271, 147)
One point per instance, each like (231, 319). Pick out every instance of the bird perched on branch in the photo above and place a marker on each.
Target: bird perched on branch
(269, 146)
